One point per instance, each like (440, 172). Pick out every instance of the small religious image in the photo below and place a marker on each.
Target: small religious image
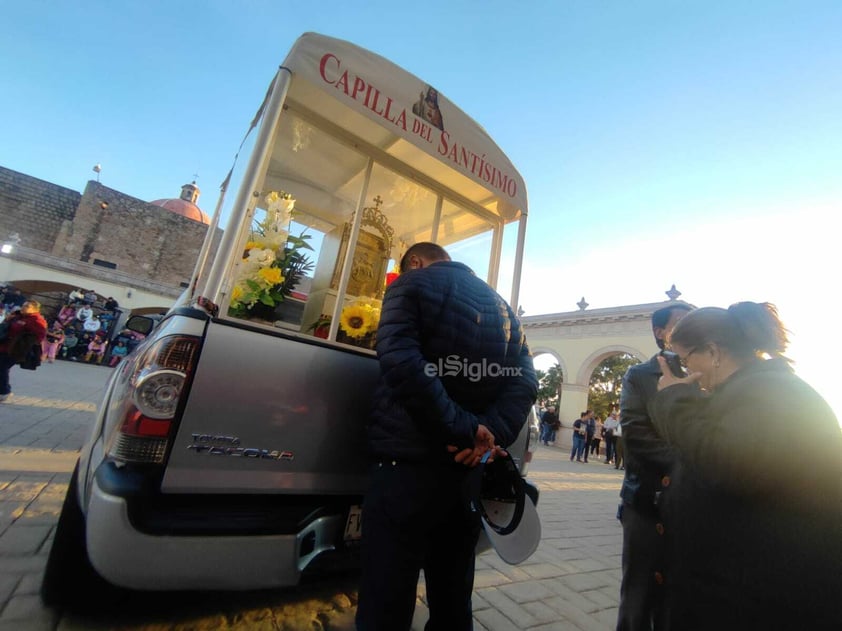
(427, 107)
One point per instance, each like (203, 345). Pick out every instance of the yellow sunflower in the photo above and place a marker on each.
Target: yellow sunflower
(356, 320)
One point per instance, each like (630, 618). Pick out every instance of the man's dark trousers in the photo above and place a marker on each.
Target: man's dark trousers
(641, 595)
(415, 517)
(6, 364)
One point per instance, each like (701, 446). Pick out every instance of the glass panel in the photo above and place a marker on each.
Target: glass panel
(293, 254)
(467, 237)
(399, 213)
(308, 195)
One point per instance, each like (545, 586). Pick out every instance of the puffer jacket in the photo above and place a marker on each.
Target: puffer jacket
(452, 356)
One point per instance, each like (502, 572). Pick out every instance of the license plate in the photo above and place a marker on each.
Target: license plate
(354, 523)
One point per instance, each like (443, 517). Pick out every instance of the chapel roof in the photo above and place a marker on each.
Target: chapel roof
(185, 205)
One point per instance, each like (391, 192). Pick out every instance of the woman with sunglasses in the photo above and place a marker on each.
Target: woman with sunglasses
(754, 537)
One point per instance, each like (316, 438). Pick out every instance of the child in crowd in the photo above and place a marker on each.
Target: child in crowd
(52, 342)
(92, 324)
(118, 352)
(66, 315)
(70, 342)
(83, 313)
(96, 349)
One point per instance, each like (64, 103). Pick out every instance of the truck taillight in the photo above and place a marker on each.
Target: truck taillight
(146, 397)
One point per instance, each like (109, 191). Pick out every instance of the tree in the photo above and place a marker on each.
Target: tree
(606, 383)
(549, 385)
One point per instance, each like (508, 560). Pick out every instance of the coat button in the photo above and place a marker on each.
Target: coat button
(665, 481)
(659, 528)
(659, 578)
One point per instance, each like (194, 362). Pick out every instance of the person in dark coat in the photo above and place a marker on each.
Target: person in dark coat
(754, 538)
(456, 381)
(590, 430)
(26, 328)
(550, 424)
(648, 460)
(580, 428)
(14, 298)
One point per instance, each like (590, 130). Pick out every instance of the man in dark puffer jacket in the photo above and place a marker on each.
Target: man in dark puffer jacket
(456, 380)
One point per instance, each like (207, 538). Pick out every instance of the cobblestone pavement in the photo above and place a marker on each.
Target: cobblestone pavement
(570, 583)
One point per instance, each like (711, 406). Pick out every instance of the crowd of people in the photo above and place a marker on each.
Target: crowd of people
(589, 435)
(80, 329)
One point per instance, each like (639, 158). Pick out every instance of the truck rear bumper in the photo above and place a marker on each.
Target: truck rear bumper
(129, 558)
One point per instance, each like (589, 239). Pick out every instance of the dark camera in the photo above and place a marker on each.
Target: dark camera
(674, 363)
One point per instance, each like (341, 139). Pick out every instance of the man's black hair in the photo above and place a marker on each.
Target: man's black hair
(662, 316)
(424, 249)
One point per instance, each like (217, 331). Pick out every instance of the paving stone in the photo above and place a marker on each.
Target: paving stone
(588, 565)
(526, 592)
(488, 578)
(494, 620)
(478, 602)
(27, 608)
(8, 584)
(583, 619)
(561, 624)
(543, 570)
(504, 604)
(30, 584)
(420, 617)
(540, 612)
(28, 625)
(583, 582)
(10, 565)
(560, 589)
(23, 538)
(608, 617)
(600, 599)
(11, 510)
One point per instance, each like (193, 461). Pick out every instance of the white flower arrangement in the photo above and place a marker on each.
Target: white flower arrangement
(272, 262)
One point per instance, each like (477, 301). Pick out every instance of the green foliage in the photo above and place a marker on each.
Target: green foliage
(549, 385)
(606, 383)
(295, 264)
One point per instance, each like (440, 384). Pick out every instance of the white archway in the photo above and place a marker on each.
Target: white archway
(580, 340)
(598, 356)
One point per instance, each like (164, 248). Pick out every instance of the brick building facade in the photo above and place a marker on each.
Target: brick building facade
(103, 227)
(34, 209)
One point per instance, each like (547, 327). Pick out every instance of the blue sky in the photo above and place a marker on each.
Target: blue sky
(695, 143)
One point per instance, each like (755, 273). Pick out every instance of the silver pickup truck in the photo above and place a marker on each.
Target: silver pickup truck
(229, 451)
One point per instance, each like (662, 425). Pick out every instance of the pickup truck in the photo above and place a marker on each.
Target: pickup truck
(229, 451)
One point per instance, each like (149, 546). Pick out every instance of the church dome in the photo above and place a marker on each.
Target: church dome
(185, 205)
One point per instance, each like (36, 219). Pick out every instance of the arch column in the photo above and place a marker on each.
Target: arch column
(574, 400)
